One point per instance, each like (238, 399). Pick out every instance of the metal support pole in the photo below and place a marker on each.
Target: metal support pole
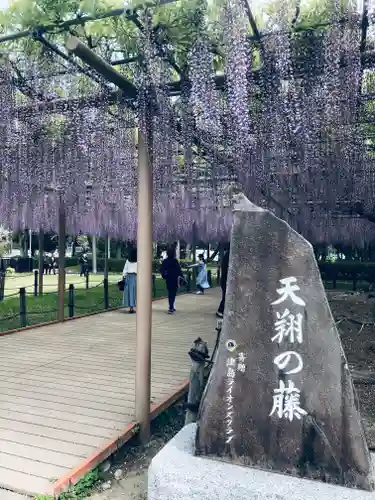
(94, 258)
(106, 248)
(106, 269)
(194, 246)
(144, 290)
(61, 277)
(35, 283)
(41, 261)
(71, 301)
(23, 311)
(2, 281)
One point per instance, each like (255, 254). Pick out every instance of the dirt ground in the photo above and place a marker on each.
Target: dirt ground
(355, 317)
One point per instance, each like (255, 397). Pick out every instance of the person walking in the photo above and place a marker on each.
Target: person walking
(45, 264)
(50, 263)
(130, 277)
(170, 271)
(53, 263)
(84, 264)
(202, 279)
(223, 282)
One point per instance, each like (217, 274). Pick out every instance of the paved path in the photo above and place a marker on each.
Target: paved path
(68, 389)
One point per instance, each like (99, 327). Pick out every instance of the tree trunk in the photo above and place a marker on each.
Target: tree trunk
(118, 251)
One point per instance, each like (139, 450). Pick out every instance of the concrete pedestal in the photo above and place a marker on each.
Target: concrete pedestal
(176, 474)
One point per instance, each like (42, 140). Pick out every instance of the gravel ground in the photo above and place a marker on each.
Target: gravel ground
(126, 477)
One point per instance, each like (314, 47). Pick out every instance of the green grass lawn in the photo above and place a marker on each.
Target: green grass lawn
(14, 282)
(43, 309)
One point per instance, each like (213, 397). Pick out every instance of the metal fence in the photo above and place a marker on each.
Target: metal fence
(33, 308)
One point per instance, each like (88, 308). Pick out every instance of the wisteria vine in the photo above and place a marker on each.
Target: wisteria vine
(285, 128)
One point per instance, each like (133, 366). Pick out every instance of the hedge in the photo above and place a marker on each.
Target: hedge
(349, 270)
(22, 264)
(345, 270)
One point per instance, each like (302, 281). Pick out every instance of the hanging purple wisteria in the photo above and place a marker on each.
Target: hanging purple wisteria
(280, 122)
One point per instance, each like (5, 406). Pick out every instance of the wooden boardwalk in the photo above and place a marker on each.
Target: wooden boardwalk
(67, 390)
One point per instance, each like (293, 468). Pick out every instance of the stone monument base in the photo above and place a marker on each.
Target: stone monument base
(176, 474)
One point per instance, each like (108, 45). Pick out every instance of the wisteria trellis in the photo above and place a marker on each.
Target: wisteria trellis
(289, 130)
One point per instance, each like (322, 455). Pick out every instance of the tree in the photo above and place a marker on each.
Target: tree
(113, 38)
(22, 238)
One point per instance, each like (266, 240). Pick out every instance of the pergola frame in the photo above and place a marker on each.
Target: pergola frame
(127, 94)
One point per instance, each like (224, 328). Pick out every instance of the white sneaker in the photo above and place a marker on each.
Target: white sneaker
(199, 293)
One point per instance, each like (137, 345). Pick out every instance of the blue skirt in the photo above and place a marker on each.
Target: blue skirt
(130, 291)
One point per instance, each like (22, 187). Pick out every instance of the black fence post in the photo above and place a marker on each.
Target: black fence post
(188, 282)
(2, 284)
(106, 300)
(209, 277)
(23, 312)
(36, 278)
(154, 285)
(194, 277)
(355, 277)
(87, 279)
(71, 301)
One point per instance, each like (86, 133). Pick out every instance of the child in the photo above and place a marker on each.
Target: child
(202, 281)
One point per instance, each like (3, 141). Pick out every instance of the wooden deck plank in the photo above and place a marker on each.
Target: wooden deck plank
(44, 443)
(67, 390)
(66, 398)
(24, 483)
(50, 432)
(107, 422)
(10, 495)
(90, 399)
(56, 423)
(65, 407)
(88, 377)
(44, 470)
(39, 455)
(115, 384)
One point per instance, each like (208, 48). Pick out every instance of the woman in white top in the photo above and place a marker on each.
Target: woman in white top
(130, 277)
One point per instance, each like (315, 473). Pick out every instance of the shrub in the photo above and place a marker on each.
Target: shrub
(347, 271)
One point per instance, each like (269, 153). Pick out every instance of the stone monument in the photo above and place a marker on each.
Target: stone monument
(280, 396)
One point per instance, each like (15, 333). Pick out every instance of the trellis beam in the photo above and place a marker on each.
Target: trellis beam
(79, 49)
(53, 48)
(364, 26)
(252, 21)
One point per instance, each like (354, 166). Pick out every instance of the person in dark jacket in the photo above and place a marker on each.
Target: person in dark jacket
(223, 282)
(171, 272)
(84, 264)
